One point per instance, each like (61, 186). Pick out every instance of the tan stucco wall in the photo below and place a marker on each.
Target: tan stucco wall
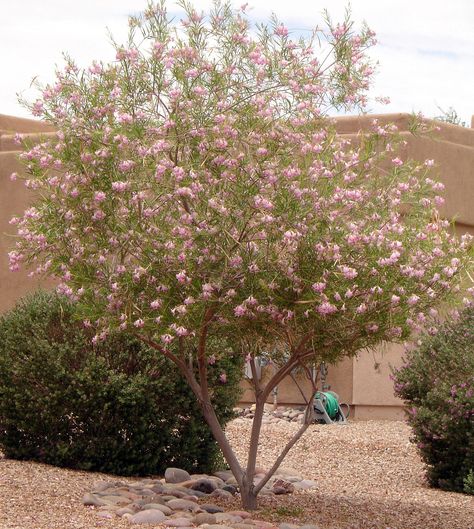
(362, 382)
(14, 198)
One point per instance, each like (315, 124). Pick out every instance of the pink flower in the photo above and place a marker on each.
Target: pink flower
(372, 327)
(120, 186)
(184, 192)
(240, 311)
(413, 300)
(261, 202)
(125, 118)
(98, 215)
(192, 73)
(182, 277)
(181, 331)
(126, 165)
(326, 308)
(223, 378)
(281, 31)
(397, 161)
(349, 273)
(166, 338)
(139, 323)
(395, 299)
(318, 287)
(99, 196)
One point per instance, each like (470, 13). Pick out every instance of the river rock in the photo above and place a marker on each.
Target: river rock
(183, 505)
(116, 500)
(281, 486)
(204, 485)
(176, 475)
(211, 508)
(163, 508)
(90, 499)
(228, 518)
(204, 517)
(99, 486)
(221, 493)
(223, 474)
(150, 516)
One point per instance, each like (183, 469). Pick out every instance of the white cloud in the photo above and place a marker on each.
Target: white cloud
(425, 51)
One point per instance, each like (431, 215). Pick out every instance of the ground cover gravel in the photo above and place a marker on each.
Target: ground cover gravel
(368, 476)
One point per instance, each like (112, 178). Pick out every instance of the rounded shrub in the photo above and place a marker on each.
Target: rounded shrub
(117, 406)
(437, 383)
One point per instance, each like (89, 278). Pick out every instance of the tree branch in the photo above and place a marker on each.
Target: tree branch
(309, 417)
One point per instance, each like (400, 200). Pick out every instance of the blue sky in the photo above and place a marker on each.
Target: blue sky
(425, 49)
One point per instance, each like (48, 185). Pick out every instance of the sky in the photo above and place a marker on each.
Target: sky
(425, 48)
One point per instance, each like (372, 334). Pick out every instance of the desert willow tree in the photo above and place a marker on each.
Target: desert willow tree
(196, 189)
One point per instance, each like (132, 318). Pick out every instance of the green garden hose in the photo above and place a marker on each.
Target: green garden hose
(330, 402)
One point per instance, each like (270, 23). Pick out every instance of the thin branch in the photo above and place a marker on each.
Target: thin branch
(255, 380)
(299, 387)
(202, 359)
(309, 417)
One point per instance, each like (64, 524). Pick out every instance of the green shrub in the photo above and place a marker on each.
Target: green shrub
(437, 383)
(116, 407)
(469, 483)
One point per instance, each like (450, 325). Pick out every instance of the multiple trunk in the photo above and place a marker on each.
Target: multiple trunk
(245, 476)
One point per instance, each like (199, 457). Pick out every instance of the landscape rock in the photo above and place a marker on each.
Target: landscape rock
(116, 500)
(175, 500)
(176, 475)
(204, 517)
(90, 499)
(223, 474)
(211, 508)
(281, 486)
(204, 485)
(163, 508)
(99, 486)
(183, 505)
(150, 516)
(221, 493)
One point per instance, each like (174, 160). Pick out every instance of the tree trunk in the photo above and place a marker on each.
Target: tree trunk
(248, 497)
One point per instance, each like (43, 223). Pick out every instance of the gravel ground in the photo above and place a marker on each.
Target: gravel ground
(368, 473)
